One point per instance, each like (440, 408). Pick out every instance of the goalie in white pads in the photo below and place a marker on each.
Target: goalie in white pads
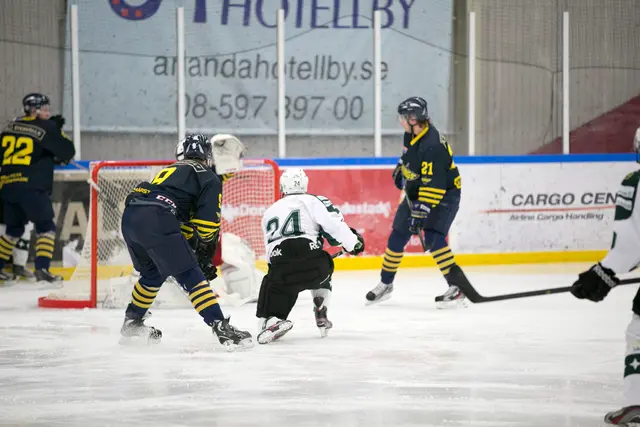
(240, 279)
(294, 228)
(595, 283)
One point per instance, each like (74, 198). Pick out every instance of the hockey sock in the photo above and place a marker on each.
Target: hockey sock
(393, 256)
(44, 250)
(21, 250)
(142, 297)
(7, 244)
(442, 255)
(324, 294)
(205, 301)
(202, 297)
(632, 363)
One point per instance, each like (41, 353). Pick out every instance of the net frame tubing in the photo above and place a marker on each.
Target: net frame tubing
(92, 302)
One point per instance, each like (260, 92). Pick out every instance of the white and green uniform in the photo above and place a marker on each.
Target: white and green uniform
(623, 257)
(624, 254)
(307, 216)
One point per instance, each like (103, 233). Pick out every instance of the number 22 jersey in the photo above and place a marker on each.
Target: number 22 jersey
(31, 147)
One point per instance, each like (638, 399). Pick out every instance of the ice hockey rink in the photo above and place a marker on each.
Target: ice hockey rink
(545, 361)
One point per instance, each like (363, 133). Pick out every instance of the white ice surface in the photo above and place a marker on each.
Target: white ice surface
(547, 361)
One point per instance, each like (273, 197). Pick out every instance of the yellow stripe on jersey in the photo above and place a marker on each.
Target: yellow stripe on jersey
(187, 231)
(206, 229)
(420, 135)
(430, 195)
(198, 222)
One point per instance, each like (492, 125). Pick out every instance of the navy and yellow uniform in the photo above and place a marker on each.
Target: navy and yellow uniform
(432, 178)
(160, 216)
(182, 201)
(31, 147)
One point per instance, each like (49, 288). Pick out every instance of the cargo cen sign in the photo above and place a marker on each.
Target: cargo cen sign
(566, 199)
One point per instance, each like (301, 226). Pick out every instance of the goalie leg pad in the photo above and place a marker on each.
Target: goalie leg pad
(238, 267)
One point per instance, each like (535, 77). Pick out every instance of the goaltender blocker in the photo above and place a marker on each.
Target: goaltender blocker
(595, 283)
(184, 198)
(294, 228)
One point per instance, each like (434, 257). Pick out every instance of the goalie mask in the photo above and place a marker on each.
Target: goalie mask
(228, 153)
(195, 147)
(294, 181)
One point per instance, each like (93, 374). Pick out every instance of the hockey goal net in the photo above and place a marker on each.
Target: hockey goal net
(103, 276)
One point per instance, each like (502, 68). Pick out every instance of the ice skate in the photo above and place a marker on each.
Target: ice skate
(380, 293)
(44, 275)
(231, 338)
(628, 417)
(22, 273)
(272, 329)
(133, 329)
(452, 298)
(6, 279)
(320, 311)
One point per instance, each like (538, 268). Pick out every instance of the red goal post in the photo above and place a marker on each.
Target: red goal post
(102, 276)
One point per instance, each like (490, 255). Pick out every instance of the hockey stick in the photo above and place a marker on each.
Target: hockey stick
(473, 295)
(337, 254)
(476, 298)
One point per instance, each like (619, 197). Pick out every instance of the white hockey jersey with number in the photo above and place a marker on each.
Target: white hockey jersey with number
(305, 215)
(624, 254)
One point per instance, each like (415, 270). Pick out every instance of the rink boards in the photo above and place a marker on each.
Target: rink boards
(514, 209)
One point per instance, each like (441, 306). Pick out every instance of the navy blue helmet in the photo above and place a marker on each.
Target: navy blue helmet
(196, 147)
(414, 107)
(34, 101)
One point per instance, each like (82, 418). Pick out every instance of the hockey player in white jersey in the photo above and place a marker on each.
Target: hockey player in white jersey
(595, 283)
(294, 228)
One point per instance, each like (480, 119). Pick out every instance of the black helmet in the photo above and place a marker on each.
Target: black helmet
(34, 100)
(414, 107)
(196, 147)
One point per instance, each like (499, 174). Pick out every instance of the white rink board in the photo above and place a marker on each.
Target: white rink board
(531, 207)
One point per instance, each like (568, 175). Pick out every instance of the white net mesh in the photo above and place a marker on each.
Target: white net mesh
(245, 197)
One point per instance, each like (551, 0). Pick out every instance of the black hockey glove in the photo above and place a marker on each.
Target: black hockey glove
(595, 283)
(359, 247)
(204, 254)
(419, 214)
(398, 179)
(58, 120)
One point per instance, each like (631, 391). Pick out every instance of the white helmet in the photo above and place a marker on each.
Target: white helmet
(294, 181)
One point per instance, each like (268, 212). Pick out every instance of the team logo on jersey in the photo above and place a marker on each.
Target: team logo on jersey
(276, 252)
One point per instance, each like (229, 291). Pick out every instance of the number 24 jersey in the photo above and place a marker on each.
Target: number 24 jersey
(305, 216)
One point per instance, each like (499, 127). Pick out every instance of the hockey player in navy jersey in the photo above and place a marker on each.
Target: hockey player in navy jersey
(431, 183)
(183, 199)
